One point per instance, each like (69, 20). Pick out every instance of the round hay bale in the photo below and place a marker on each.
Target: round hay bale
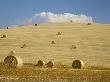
(40, 63)
(73, 47)
(35, 24)
(4, 36)
(50, 64)
(52, 42)
(7, 27)
(88, 23)
(24, 45)
(59, 33)
(13, 62)
(77, 64)
(12, 52)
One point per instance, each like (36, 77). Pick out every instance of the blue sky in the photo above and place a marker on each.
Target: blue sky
(11, 10)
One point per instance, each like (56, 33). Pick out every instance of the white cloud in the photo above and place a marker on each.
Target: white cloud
(45, 17)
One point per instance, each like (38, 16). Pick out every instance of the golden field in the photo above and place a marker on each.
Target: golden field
(92, 47)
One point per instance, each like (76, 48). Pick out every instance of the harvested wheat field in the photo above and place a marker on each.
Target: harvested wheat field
(88, 43)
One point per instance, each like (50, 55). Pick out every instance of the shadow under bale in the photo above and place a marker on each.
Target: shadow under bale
(77, 64)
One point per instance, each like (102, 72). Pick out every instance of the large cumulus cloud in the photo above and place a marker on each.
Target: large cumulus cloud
(65, 17)
(46, 17)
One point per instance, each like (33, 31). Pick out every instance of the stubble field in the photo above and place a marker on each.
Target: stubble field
(92, 46)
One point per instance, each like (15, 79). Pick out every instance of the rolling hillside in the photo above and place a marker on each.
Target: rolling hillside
(92, 43)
